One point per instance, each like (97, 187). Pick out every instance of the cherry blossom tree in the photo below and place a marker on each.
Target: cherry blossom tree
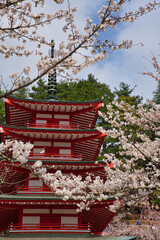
(20, 23)
(154, 73)
(136, 174)
(148, 229)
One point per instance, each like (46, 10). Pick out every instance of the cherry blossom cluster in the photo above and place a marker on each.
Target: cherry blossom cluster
(136, 173)
(86, 191)
(149, 219)
(20, 151)
(82, 47)
(155, 73)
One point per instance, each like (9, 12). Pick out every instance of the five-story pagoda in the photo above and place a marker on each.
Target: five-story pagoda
(64, 139)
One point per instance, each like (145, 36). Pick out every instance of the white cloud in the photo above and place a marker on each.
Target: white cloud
(128, 65)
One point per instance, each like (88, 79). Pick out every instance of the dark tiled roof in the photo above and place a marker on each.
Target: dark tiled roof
(38, 197)
(52, 101)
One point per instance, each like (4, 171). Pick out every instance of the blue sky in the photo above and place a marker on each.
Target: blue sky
(124, 65)
(127, 65)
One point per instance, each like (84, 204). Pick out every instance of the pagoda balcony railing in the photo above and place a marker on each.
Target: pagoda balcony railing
(35, 189)
(32, 228)
(55, 157)
(52, 125)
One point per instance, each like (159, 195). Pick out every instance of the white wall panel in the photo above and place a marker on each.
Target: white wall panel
(64, 151)
(31, 220)
(45, 144)
(64, 211)
(60, 116)
(39, 115)
(62, 144)
(35, 183)
(36, 211)
(69, 220)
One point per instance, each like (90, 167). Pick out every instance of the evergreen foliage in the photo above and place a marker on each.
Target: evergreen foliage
(22, 92)
(2, 108)
(40, 91)
(84, 90)
(124, 93)
(156, 94)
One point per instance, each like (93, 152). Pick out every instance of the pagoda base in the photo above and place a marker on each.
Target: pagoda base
(59, 236)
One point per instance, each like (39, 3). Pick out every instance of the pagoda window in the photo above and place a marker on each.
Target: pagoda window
(41, 121)
(61, 116)
(36, 211)
(65, 151)
(64, 123)
(42, 115)
(62, 144)
(35, 183)
(69, 220)
(31, 220)
(43, 144)
(38, 150)
(64, 211)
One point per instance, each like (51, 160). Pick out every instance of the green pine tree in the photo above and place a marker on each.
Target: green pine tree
(124, 93)
(40, 91)
(22, 93)
(84, 90)
(156, 94)
(2, 108)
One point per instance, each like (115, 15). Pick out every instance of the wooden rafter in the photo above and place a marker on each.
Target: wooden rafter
(10, 103)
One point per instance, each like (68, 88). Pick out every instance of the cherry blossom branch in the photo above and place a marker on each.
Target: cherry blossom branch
(108, 18)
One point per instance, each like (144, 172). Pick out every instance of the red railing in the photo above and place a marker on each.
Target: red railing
(37, 189)
(60, 157)
(52, 125)
(31, 228)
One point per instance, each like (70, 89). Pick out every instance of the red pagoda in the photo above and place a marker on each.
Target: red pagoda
(64, 132)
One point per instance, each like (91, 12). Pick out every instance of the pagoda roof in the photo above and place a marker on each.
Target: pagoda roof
(39, 197)
(20, 111)
(70, 165)
(50, 133)
(51, 100)
(81, 167)
(32, 105)
(17, 171)
(85, 142)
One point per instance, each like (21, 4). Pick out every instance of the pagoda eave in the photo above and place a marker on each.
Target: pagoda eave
(21, 199)
(31, 105)
(65, 167)
(22, 111)
(52, 133)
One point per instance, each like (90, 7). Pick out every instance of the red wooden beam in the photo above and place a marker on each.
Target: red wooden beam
(82, 111)
(95, 136)
(18, 106)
